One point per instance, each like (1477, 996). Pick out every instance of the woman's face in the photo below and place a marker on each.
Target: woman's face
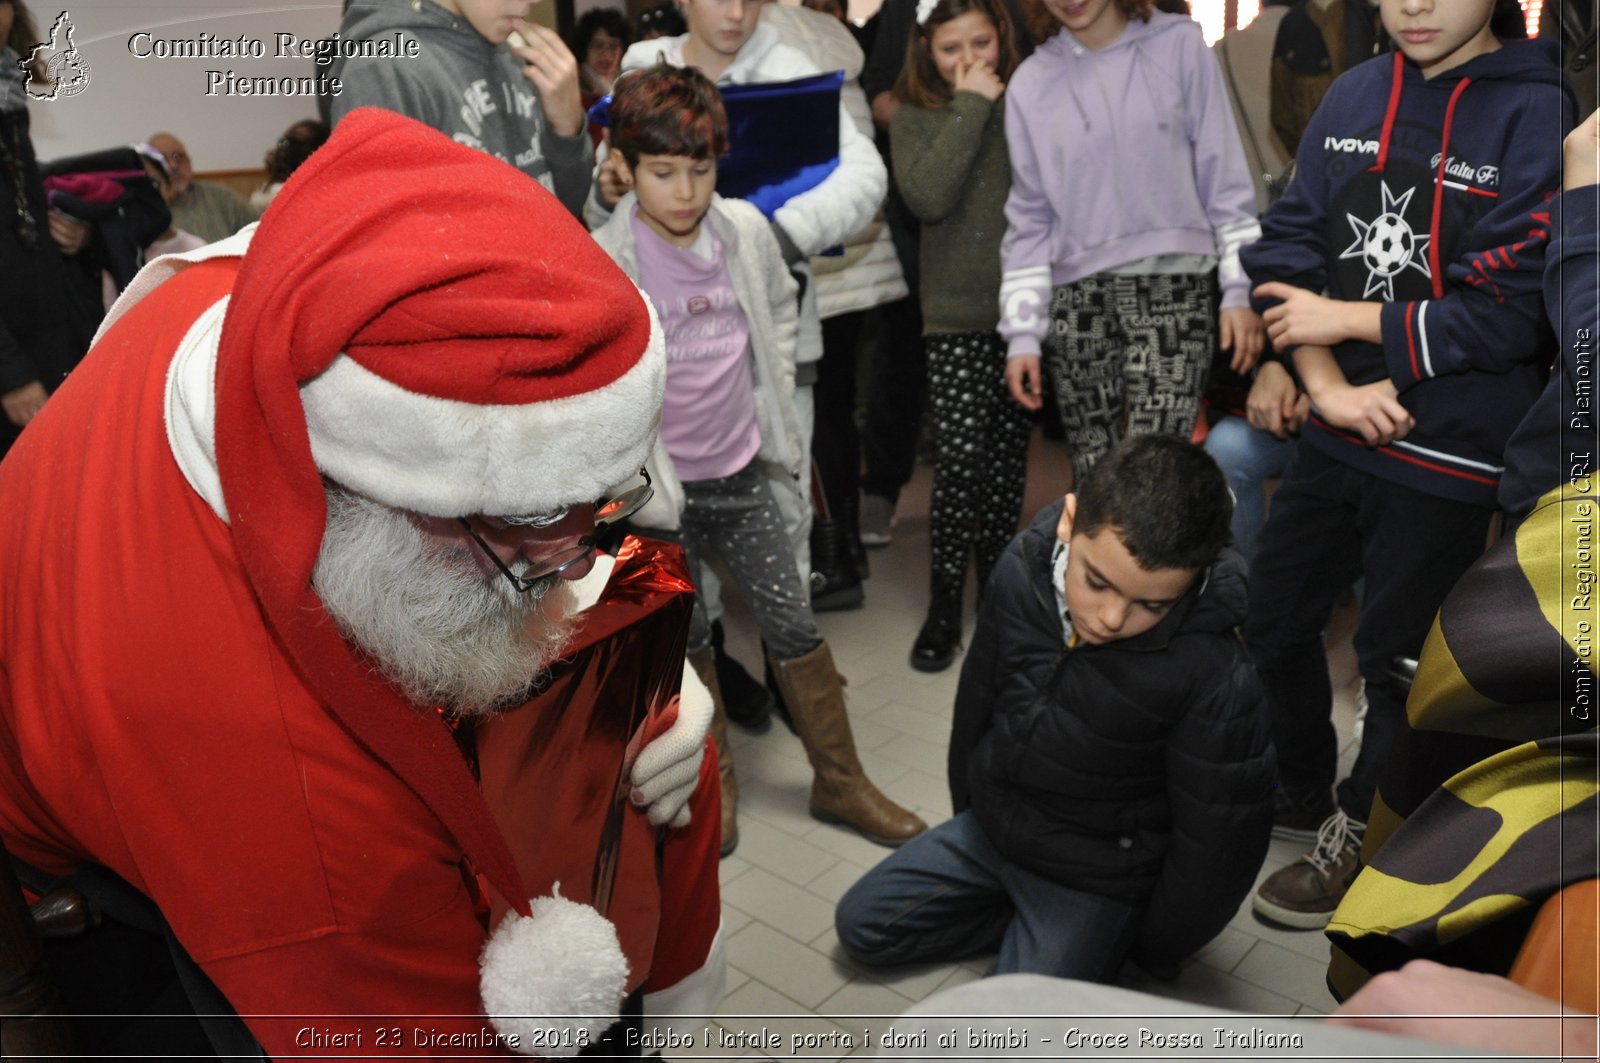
(604, 56)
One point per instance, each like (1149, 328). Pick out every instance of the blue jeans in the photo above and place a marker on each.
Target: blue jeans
(1247, 457)
(948, 894)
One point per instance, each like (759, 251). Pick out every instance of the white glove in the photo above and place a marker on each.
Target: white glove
(668, 769)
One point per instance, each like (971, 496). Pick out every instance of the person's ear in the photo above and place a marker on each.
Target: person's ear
(624, 171)
(1069, 513)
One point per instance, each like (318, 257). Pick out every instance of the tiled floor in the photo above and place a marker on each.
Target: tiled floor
(780, 887)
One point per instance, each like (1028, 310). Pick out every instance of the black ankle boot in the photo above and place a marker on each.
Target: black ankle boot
(940, 636)
(746, 702)
(835, 583)
(850, 517)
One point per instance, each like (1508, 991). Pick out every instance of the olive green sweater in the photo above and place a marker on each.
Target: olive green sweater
(953, 172)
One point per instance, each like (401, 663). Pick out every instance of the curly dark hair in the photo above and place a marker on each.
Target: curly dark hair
(595, 20)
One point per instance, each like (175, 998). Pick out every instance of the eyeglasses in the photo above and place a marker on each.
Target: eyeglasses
(606, 513)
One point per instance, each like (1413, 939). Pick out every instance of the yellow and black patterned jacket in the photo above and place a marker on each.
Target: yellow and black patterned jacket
(1491, 807)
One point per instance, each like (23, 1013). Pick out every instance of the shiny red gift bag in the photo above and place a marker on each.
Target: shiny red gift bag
(555, 770)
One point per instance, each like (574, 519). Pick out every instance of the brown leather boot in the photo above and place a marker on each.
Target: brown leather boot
(840, 790)
(704, 663)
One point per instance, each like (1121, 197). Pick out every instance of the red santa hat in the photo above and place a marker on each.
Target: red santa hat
(425, 325)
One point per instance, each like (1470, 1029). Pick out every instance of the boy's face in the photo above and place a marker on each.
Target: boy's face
(674, 194)
(721, 25)
(1439, 35)
(493, 19)
(1110, 597)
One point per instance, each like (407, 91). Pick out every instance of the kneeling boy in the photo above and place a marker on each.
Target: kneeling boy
(1109, 764)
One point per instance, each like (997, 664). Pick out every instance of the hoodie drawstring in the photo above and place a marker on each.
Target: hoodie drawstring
(1444, 161)
(1388, 115)
(1438, 192)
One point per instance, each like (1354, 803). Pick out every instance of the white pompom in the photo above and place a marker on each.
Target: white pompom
(561, 970)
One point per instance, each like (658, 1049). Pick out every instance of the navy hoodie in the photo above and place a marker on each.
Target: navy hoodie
(1556, 442)
(1431, 196)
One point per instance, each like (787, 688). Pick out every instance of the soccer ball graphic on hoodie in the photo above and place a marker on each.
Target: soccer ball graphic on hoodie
(1388, 245)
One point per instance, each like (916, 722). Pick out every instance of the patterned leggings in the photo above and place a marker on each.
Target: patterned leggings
(1129, 354)
(980, 464)
(737, 518)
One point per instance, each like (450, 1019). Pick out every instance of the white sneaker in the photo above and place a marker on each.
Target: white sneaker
(876, 519)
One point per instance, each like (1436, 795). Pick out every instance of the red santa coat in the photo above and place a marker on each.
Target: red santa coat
(152, 723)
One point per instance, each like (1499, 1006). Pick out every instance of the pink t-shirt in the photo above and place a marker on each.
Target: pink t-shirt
(708, 422)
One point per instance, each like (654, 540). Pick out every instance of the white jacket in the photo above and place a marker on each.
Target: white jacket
(868, 273)
(766, 293)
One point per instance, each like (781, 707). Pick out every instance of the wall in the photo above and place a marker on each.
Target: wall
(127, 98)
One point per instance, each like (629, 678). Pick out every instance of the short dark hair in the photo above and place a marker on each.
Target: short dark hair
(663, 20)
(295, 147)
(1166, 499)
(920, 83)
(667, 110)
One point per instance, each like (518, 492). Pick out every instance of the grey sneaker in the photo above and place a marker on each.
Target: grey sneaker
(877, 518)
(1304, 895)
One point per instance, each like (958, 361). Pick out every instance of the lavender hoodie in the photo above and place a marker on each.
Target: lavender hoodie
(1117, 155)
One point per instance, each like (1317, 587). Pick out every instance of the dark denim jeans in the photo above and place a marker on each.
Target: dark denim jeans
(949, 894)
(1331, 525)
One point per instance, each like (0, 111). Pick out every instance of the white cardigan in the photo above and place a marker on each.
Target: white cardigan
(766, 294)
(868, 273)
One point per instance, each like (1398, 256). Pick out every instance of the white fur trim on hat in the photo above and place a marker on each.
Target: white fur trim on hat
(563, 969)
(449, 458)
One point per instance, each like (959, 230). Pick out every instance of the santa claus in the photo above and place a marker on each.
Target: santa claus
(317, 491)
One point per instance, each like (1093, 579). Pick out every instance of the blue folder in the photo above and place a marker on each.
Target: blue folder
(783, 138)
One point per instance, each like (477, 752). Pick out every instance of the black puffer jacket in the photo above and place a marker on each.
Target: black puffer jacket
(1141, 768)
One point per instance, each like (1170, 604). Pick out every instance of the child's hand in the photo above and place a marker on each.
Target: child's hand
(978, 76)
(70, 234)
(1022, 377)
(24, 404)
(1304, 317)
(554, 72)
(1239, 330)
(614, 179)
(1583, 154)
(1297, 416)
(1373, 410)
(1274, 401)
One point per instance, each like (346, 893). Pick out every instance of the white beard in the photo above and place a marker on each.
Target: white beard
(434, 624)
